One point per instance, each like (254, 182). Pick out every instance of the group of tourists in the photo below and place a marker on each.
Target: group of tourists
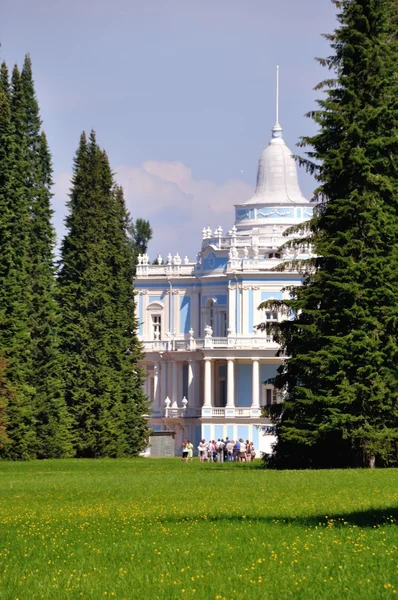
(221, 451)
(226, 450)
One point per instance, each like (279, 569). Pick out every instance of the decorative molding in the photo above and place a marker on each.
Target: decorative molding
(274, 212)
(142, 292)
(176, 292)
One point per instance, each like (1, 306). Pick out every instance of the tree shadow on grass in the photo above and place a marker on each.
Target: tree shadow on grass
(367, 518)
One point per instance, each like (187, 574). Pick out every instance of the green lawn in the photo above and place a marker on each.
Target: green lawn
(153, 528)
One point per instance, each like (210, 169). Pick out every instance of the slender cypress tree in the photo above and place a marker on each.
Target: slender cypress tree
(140, 231)
(341, 382)
(96, 296)
(129, 349)
(14, 296)
(51, 416)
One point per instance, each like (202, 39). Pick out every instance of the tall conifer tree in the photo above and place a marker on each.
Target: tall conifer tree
(14, 296)
(341, 382)
(100, 349)
(51, 416)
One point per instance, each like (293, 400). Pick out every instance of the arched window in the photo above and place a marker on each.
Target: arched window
(155, 321)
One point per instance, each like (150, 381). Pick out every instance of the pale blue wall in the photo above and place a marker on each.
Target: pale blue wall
(218, 432)
(244, 385)
(268, 295)
(266, 372)
(185, 314)
(255, 437)
(243, 432)
(217, 263)
(206, 432)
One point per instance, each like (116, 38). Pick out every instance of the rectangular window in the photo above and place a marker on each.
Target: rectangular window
(223, 323)
(271, 395)
(223, 393)
(156, 327)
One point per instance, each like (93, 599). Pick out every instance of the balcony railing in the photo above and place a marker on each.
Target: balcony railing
(187, 413)
(238, 342)
(210, 412)
(230, 412)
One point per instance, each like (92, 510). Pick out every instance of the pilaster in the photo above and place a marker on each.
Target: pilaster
(208, 388)
(230, 407)
(156, 385)
(255, 387)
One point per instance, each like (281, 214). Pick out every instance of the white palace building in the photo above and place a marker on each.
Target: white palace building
(206, 363)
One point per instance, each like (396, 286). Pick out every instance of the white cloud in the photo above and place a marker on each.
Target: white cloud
(177, 205)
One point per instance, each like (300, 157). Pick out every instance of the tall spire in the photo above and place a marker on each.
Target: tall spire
(277, 129)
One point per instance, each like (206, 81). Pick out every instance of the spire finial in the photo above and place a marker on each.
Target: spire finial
(277, 93)
(277, 129)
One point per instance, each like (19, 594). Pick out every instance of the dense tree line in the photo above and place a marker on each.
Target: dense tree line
(70, 384)
(341, 380)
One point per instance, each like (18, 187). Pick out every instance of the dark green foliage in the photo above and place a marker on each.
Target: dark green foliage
(36, 413)
(6, 397)
(14, 294)
(52, 421)
(141, 233)
(96, 370)
(99, 343)
(341, 381)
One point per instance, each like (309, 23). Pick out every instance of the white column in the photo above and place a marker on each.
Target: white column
(208, 384)
(245, 312)
(156, 385)
(174, 393)
(232, 310)
(191, 384)
(256, 384)
(163, 382)
(230, 383)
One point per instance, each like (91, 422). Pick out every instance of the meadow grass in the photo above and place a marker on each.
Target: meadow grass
(159, 528)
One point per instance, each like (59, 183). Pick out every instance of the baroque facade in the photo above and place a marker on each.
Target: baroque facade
(207, 365)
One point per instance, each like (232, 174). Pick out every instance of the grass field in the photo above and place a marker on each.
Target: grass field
(163, 529)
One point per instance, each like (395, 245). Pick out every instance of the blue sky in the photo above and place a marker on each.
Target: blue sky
(181, 94)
